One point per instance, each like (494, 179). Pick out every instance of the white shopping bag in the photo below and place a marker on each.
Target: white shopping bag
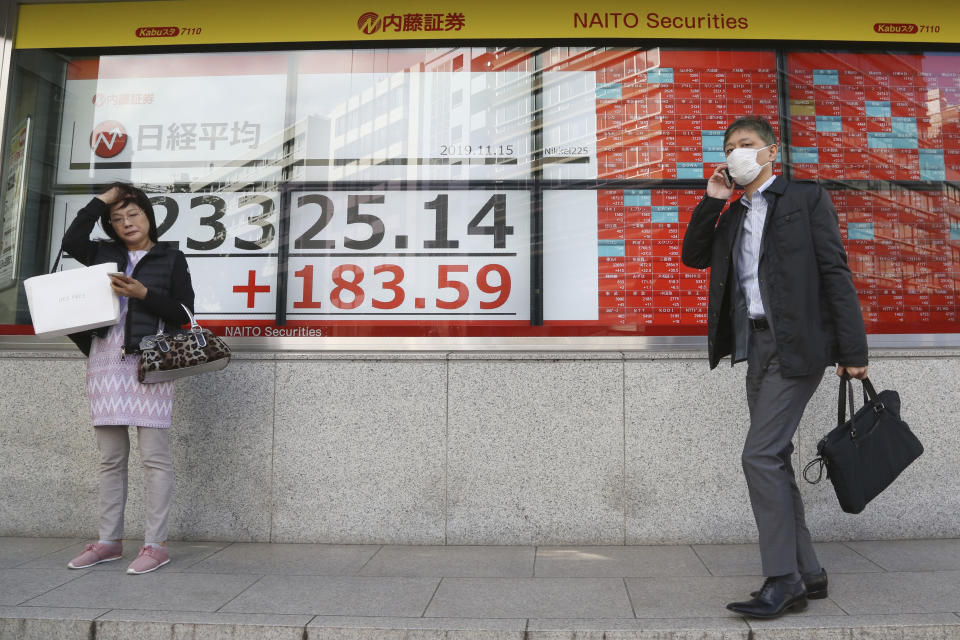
(73, 300)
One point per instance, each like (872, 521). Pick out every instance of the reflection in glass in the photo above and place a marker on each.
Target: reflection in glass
(484, 191)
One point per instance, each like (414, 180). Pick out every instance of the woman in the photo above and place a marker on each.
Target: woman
(152, 281)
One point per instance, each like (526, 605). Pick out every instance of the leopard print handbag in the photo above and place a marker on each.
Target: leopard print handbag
(168, 356)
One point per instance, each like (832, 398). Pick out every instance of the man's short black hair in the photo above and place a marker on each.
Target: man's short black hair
(137, 197)
(756, 124)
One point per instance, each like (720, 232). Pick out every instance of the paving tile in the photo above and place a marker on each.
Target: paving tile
(730, 559)
(59, 559)
(861, 627)
(321, 595)
(20, 585)
(836, 557)
(182, 555)
(163, 625)
(530, 598)
(288, 559)
(168, 590)
(617, 562)
(911, 555)
(744, 559)
(699, 597)
(353, 628)
(50, 613)
(206, 617)
(904, 592)
(633, 629)
(452, 561)
(18, 551)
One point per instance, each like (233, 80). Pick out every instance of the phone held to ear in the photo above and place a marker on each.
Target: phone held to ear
(728, 177)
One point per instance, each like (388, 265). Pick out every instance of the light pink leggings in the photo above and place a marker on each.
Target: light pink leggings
(114, 445)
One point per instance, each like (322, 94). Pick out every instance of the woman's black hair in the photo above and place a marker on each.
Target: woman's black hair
(137, 197)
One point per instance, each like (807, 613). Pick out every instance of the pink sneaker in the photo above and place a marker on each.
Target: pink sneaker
(96, 553)
(149, 559)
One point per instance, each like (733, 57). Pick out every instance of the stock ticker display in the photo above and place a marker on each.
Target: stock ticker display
(881, 131)
(401, 199)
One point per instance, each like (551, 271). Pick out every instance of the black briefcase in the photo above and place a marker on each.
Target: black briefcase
(864, 454)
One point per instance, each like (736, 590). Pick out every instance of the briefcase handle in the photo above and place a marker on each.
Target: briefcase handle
(846, 397)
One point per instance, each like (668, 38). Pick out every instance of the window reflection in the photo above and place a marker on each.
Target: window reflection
(484, 191)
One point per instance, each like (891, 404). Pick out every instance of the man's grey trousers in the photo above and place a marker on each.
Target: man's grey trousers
(776, 404)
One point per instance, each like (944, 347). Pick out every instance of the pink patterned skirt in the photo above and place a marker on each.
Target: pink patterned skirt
(116, 395)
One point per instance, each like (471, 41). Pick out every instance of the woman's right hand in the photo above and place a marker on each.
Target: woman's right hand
(718, 186)
(111, 195)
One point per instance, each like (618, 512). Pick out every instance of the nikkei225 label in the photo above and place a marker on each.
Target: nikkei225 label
(409, 255)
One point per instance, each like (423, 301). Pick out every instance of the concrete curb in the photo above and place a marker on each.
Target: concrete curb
(80, 624)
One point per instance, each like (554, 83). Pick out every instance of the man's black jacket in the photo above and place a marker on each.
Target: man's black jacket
(163, 271)
(805, 283)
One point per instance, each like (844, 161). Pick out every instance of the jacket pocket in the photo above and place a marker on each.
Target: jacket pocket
(790, 217)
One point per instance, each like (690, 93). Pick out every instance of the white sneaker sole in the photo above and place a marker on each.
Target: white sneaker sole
(140, 573)
(70, 564)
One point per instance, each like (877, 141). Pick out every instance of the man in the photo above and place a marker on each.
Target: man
(782, 298)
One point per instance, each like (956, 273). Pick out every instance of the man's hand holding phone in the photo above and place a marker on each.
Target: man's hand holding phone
(720, 185)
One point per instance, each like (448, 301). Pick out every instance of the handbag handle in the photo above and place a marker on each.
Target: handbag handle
(195, 327)
(56, 262)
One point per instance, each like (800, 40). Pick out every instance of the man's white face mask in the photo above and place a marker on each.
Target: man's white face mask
(743, 166)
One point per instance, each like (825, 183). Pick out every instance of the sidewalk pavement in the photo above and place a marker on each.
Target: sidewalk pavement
(902, 589)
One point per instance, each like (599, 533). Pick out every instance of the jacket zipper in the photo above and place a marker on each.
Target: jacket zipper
(123, 345)
(127, 321)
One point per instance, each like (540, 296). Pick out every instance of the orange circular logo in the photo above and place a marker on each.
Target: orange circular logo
(108, 138)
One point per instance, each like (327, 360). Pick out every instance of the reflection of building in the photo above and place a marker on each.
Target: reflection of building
(615, 94)
(941, 114)
(432, 115)
(276, 161)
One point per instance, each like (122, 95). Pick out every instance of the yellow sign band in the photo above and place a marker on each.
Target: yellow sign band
(201, 22)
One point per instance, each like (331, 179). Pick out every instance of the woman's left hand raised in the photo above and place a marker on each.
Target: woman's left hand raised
(127, 286)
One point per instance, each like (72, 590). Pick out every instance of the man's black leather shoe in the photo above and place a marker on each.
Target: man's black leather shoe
(775, 599)
(816, 584)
